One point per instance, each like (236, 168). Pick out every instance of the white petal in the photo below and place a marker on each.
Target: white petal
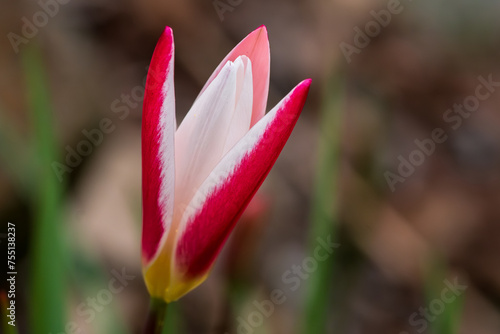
(242, 114)
(217, 120)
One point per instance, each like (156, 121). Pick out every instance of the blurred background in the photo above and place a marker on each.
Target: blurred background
(395, 160)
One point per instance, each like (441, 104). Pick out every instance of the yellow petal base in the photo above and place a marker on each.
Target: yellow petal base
(163, 284)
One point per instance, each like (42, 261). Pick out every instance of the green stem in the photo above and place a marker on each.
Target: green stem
(324, 210)
(156, 317)
(448, 322)
(48, 276)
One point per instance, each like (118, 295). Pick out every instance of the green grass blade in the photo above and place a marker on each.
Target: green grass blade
(324, 210)
(48, 284)
(448, 320)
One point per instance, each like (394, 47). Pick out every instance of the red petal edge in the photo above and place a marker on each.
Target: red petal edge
(152, 222)
(209, 229)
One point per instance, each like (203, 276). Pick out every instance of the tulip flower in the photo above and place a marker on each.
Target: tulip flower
(198, 178)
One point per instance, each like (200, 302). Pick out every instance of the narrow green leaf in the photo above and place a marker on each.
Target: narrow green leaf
(48, 283)
(446, 316)
(324, 209)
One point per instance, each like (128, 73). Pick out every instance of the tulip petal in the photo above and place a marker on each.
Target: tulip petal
(223, 196)
(217, 120)
(158, 130)
(256, 47)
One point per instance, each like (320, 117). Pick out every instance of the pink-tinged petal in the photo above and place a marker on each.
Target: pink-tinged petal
(158, 130)
(223, 196)
(256, 47)
(217, 120)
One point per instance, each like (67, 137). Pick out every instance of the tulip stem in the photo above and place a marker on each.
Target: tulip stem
(156, 317)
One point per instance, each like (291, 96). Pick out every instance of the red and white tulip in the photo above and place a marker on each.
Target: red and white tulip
(198, 178)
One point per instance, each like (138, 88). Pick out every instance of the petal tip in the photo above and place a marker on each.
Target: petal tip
(167, 37)
(306, 82)
(262, 29)
(260, 34)
(168, 31)
(165, 44)
(304, 86)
